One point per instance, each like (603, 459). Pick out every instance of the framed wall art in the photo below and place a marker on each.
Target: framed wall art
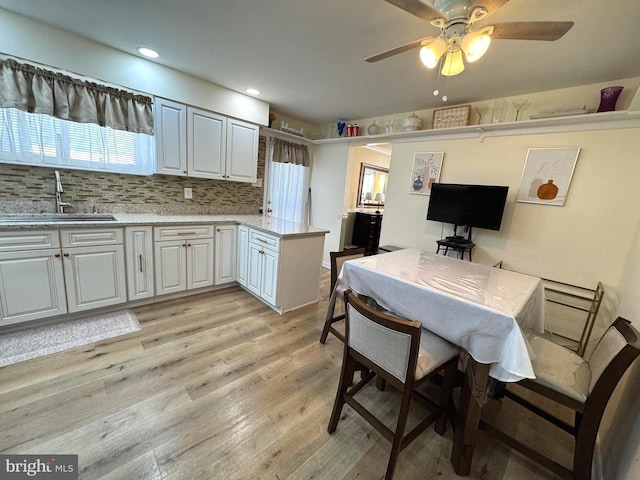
(451, 117)
(547, 174)
(425, 172)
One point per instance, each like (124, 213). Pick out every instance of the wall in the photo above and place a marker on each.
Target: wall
(328, 187)
(25, 189)
(36, 41)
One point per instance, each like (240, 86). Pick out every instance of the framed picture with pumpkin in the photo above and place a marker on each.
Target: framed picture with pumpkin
(425, 172)
(547, 175)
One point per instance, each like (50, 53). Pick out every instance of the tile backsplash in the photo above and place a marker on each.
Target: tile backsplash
(25, 189)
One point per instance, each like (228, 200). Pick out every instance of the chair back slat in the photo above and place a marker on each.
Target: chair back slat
(389, 342)
(385, 347)
(338, 259)
(617, 337)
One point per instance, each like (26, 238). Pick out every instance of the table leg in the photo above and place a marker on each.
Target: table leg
(472, 398)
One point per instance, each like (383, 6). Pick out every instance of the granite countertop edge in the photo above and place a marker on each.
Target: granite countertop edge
(276, 226)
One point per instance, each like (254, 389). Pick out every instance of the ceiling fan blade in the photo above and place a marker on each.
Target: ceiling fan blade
(548, 31)
(490, 5)
(397, 50)
(417, 8)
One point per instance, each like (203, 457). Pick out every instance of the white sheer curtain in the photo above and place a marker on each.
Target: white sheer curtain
(43, 140)
(289, 181)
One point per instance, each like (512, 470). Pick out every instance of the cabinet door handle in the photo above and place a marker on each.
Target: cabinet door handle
(65, 254)
(261, 240)
(140, 258)
(186, 233)
(188, 244)
(57, 255)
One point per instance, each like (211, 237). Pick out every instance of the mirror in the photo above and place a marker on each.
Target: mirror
(373, 185)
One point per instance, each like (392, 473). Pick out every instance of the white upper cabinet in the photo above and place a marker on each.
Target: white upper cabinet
(242, 151)
(171, 137)
(199, 143)
(206, 144)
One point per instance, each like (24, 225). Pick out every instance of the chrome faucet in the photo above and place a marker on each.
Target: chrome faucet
(60, 205)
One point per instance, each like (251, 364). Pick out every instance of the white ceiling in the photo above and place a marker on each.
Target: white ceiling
(307, 56)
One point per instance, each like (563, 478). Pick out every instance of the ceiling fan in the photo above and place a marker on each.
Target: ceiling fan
(458, 35)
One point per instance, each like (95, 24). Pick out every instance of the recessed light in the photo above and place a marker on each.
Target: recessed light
(147, 52)
(253, 91)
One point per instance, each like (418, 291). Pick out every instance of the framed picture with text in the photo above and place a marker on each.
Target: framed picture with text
(451, 117)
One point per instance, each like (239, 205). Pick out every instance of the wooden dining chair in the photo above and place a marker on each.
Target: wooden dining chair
(337, 259)
(404, 356)
(583, 386)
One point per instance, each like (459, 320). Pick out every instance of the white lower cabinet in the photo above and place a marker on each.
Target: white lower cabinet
(225, 254)
(183, 258)
(94, 277)
(31, 285)
(262, 277)
(139, 251)
(283, 272)
(78, 270)
(94, 268)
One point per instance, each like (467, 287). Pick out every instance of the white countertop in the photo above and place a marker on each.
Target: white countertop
(282, 228)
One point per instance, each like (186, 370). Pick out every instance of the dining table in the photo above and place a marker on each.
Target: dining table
(481, 309)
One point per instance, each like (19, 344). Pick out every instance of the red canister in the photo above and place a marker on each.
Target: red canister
(356, 130)
(349, 130)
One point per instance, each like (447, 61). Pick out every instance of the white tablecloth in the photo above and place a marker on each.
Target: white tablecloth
(476, 307)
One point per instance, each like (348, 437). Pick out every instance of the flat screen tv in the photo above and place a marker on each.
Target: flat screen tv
(479, 206)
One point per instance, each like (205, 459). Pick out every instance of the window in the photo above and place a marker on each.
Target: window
(43, 140)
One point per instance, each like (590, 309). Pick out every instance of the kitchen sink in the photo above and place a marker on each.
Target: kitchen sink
(56, 218)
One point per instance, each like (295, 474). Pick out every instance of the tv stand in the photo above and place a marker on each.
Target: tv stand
(456, 243)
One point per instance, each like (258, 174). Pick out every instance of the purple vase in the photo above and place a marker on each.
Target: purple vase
(608, 98)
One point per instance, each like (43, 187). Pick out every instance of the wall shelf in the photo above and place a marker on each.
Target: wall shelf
(574, 123)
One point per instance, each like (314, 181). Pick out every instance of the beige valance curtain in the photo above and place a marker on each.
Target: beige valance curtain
(289, 152)
(36, 90)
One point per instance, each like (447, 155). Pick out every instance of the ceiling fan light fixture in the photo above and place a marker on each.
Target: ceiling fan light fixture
(475, 44)
(430, 54)
(453, 64)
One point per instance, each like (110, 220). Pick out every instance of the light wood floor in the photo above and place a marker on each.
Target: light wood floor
(218, 386)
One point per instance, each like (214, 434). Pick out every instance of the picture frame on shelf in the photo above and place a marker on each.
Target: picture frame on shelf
(546, 175)
(425, 172)
(451, 117)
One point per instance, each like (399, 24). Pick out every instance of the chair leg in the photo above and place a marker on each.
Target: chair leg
(399, 433)
(583, 453)
(327, 326)
(346, 378)
(330, 318)
(446, 390)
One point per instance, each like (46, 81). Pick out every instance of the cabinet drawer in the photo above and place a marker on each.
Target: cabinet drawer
(184, 231)
(264, 239)
(29, 240)
(87, 237)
